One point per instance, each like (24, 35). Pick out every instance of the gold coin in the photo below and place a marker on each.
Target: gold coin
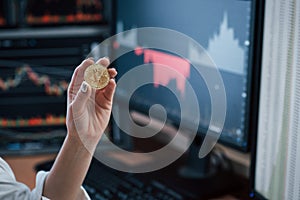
(97, 76)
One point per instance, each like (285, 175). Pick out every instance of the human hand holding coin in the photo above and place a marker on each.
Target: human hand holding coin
(90, 97)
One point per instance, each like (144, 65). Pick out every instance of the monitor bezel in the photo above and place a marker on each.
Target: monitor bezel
(258, 60)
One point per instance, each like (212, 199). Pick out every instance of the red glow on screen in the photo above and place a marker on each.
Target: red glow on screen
(163, 75)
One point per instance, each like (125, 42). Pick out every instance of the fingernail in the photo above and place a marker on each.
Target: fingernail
(84, 87)
(107, 58)
(90, 58)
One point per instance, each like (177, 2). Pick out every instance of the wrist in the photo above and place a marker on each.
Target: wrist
(82, 144)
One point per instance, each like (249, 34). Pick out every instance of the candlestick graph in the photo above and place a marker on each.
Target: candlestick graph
(161, 64)
(25, 72)
(33, 121)
(32, 96)
(74, 11)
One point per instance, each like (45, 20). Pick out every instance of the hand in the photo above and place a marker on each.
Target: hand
(89, 109)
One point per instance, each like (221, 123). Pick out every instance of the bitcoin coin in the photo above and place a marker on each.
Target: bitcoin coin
(97, 76)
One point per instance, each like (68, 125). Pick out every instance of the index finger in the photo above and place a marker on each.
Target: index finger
(104, 61)
(78, 78)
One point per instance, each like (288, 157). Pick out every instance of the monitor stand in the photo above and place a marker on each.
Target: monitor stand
(209, 177)
(195, 167)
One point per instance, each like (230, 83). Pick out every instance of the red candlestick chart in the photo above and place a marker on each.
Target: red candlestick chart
(162, 62)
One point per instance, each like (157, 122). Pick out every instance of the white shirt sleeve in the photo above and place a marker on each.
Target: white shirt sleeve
(10, 189)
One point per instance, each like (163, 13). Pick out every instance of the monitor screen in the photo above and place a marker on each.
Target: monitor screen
(276, 157)
(223, 28)
(33, 13)
(35, 69)
(63, 12)
(33, 97)
(33, 106)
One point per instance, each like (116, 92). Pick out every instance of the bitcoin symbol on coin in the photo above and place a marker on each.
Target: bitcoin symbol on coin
(97, 76)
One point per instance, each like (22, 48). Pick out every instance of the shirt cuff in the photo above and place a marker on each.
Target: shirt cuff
(40, 181)
(83, 194)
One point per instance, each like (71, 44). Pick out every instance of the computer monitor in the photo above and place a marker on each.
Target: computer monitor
(226, 30)
(276, 159)
(37, 59)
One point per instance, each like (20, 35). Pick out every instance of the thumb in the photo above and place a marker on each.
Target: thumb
(82, 97)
